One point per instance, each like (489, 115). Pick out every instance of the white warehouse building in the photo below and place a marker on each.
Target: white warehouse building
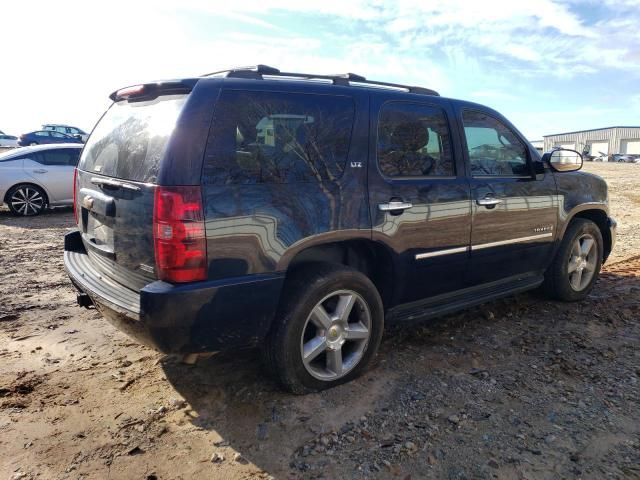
(610, 140)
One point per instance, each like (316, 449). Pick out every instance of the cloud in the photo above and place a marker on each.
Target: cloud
(547, 37)
(80, 55)
(482, 95)
(70, 58)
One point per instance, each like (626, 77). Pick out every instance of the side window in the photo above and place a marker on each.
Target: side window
(59, 157)
(42, 134)
(272, 137)
(73, 155)
(494, 150)
(57, 135)
(414, 141)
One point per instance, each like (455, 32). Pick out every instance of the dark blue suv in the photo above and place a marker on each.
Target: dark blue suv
(299, 212)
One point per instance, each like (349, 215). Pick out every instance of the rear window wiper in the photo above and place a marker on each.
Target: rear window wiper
(107, 182)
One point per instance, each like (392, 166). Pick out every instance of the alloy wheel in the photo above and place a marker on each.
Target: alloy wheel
(335, 335)
(27, 201)
(582, 262)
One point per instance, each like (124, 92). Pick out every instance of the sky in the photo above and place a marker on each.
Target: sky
(549, 66)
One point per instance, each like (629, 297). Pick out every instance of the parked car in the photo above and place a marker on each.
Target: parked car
(67, 130)
(41, 137)
(625, 158)
(34, 178)
(8, 140)
(601, 157)
(301, 212)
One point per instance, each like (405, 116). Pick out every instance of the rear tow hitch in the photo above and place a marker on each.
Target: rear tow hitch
(84, 300)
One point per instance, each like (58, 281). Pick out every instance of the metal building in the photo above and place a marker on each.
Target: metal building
(538, 145)
(610, 140)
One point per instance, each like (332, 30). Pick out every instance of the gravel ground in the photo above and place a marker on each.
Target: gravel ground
(519, 388)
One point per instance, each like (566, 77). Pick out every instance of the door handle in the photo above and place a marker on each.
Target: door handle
(394, 205)
(489, 202)
(40, 170)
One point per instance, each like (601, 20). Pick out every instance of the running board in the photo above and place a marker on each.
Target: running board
(462, 299)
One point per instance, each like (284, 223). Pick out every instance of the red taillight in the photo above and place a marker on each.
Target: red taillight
(75, 191)
(178, 233)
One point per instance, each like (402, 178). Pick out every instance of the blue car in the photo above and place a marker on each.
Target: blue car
(40, 137)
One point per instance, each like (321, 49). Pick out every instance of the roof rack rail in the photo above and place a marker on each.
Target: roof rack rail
(258, 72)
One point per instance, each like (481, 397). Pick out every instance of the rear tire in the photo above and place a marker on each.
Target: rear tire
(328, 328)
(26, 200)
(577, 263)
(33, 143)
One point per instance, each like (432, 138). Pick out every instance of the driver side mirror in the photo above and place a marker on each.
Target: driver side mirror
(564, 160)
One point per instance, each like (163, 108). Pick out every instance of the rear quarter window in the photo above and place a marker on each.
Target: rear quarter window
(275, 137)
(130, 139)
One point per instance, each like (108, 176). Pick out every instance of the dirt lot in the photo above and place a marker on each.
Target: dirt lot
(519, 388)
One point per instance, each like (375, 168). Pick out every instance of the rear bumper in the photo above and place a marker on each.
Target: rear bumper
(189, 318)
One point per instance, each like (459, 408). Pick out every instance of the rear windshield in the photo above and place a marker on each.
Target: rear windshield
(131, 138)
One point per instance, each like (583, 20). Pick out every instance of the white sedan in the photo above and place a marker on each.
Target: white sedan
(33, 178)
(8, 140)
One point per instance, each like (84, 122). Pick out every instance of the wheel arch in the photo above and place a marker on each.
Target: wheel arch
(367, 256)
(32, 184)
(597, 214)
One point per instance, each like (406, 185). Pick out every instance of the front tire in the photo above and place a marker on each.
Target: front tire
(328, 329)
(577, 263)
(26, 200)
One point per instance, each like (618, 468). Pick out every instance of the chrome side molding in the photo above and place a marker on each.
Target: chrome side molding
(450, 251)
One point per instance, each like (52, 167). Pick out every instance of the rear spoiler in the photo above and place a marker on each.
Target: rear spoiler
(150, 91)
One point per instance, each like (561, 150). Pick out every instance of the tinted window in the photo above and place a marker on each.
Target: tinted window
(130, 140)
(57, 135)
(74, 157)
(266, 137)
(58, 157)
(493, 148)
(414, 141)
